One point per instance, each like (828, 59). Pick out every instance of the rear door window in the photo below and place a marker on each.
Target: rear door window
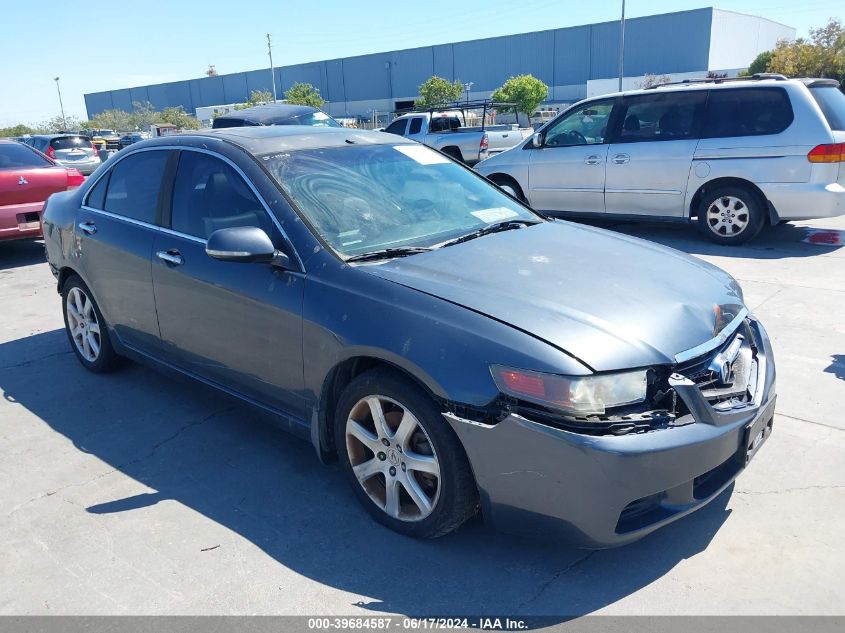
(746, 112)
(832, 103)
(134, 185)
(97, 197)
(416, 125)
(667, 116)
(19, 156)
(397, 127)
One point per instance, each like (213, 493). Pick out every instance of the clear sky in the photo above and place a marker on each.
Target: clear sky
(104, 44)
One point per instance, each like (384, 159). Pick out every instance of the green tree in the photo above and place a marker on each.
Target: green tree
(304, 94)
(179, 117)
(114, 119)
(256, 97)
(759, 65)
(16, 130)
(650, 79)
(143, 115)
(436, 92)
(822, 55)
(526, 91)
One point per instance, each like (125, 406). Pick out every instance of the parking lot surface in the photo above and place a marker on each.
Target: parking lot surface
(134, 493)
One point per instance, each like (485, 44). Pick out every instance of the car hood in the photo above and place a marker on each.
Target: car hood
(609, 300)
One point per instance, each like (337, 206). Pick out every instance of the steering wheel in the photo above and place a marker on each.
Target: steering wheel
(577, 136)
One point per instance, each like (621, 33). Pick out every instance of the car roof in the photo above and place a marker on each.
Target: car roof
(269, 112)
(279, 138)
(716, 84)
(59, 135)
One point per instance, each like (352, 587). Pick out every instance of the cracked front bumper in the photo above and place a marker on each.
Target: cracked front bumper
(604, 491)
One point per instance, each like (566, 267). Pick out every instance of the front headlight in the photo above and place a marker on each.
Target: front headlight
(576, 395)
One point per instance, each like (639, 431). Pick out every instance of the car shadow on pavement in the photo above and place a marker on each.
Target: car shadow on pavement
(837, 366)
(185, 442)
(776, 242)
(17, 253)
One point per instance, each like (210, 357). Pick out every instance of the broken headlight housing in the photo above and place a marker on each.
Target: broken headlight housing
(573, 395)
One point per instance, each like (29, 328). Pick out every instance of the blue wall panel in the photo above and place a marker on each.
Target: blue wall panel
(234, 88)
(565, 58)
(444, 61)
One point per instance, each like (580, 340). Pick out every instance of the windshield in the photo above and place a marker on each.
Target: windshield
(319, 119)
(18, 156)
(832, 103)
(367, 198)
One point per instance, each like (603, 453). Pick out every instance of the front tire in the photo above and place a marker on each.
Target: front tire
(86, 328)
(509, 186)
(731, 215)
(403, 461)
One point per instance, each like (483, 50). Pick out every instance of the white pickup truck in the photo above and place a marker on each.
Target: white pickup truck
(445, 131)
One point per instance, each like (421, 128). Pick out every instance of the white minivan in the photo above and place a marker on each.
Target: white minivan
(735, 155)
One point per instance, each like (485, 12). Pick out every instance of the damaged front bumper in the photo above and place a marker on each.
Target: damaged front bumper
(605, 490)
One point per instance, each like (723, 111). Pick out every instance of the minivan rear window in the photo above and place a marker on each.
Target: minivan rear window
(832, 102)
(71, 142)
(746, 112)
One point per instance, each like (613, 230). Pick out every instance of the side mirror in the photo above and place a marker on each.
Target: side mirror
(537, 140)
(241, 244)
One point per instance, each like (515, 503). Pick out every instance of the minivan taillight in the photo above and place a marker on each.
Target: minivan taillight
(74, 178)
(51, 152)
(827, 153)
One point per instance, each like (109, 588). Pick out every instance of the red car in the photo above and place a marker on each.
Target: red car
(27, 178)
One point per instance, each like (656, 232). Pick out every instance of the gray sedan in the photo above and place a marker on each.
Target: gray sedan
(453, 350)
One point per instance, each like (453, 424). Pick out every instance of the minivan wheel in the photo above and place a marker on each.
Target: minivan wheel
(509, 186)
(731, 215)
(86, 328)
(405, 464)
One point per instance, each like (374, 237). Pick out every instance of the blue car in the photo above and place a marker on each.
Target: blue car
(456, 352)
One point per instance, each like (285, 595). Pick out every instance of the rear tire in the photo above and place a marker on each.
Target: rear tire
(86, 329)
(731, 215)
(402, 459)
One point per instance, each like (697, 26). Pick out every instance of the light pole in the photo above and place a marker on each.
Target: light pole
(622, 46)
(61, 105)
(467, 86)
(272, 71)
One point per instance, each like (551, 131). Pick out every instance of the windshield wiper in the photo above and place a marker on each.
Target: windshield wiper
(388, 253)
(496, 227)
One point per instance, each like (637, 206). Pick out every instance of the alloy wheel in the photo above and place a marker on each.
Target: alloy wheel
(83, 325)
(393, 458)
(728, 216)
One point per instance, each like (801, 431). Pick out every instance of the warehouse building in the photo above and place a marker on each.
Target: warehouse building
(575, 62)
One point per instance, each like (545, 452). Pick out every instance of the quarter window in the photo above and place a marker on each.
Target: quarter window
(746, 112)
(661, 117)
(416, 126)
(209, 195)
(586, 125)
(134, 185)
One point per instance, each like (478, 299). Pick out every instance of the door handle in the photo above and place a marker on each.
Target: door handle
(592, 159)
(621, 159)
(171, 257)
(89, 228)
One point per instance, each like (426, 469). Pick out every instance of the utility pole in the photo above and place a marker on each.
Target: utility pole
(467, 86)
(272, 71)
(622, 46)
(61, 105)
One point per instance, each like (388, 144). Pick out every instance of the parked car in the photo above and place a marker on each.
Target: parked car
(275, 114)
(445, 131)
(27, 178)
(128, 139)
(734, 156)
(449, 346)
(70, 150)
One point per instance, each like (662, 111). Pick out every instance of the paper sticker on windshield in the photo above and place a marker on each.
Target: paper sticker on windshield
(496, 214)
(422, 154)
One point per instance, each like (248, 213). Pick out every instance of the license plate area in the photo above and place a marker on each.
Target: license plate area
(758, 432)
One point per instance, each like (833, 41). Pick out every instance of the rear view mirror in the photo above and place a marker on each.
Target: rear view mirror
(241, 244)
